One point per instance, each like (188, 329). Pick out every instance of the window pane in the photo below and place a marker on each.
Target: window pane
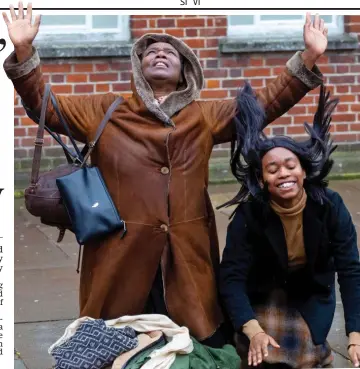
(327, 18)
(241, 20)
(63, 20)
(280, 17)
(105, 21)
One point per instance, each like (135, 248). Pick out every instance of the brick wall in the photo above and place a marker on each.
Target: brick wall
(223, 73)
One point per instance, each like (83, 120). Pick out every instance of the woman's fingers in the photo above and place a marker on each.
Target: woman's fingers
(29, 11)
(6, 19)
(12, 12)
(317, 21)
(21, 10)
(273, 342)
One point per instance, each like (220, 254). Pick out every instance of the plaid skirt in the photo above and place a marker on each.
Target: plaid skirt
(286, 325)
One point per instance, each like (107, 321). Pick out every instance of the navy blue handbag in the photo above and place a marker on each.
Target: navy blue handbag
(86, 197)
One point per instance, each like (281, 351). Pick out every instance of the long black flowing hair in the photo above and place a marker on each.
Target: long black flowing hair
(251, 144)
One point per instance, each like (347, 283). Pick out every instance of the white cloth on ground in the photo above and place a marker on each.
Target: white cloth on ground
(179, 341)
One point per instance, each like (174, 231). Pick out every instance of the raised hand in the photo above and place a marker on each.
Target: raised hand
(315, 35)
(21, 30)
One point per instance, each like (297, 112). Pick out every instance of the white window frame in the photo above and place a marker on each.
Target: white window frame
(280, 27)
(121, 32)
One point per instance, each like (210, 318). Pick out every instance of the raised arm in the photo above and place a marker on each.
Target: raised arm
(23, 67)
(300, 76)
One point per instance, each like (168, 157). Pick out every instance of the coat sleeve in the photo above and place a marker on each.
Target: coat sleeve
(80, 112)
(347, 264)
(277, 98)
(234, 269)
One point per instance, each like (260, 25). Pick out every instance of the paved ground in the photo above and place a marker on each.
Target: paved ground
(46, 282)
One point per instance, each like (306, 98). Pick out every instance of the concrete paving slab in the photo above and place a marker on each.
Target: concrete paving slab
(32, 340)
(46, 294)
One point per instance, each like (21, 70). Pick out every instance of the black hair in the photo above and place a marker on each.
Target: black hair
(251, 144)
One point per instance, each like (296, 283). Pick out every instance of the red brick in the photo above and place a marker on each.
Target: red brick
(295, 130)
(282, 121)
(83, 67)
(25, 121)
(229, 83)
(139, 23)
(344, 118)
(56, 68)
(236, 72)
(102, 87)
(212, 83)
(352, 19)
(213, 94)
(345, 138)
(342, 59)
(355, 127)
(215, 73)
(211, 32)
(194, 22)
(76, 78)
(296, 110)
(212, 42)
(221, 21)
(210, 22)
(208, 53)
(125, 76)
(145, 16)
(104, 77)
(301, 119)
(355, 68)
(347, 98)
(152, 23)
(341, 127)
(235, 62)
(191, 32)
(83, 89)
(258, 72)
(342, 89)
(19, 132)
(197, 43)
(276, 61)
(138, 33)
(121, 87)
(276, 131)
(57, 78)
(339, 69)
(62, 89)
(19, 111)
(177, 32)
(342, 79)
(355, 89)
(102, 67)
(353, 28)
(256, 62)
(166, 23)
(355, 107)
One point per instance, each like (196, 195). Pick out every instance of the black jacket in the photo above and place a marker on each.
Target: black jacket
(255, 261)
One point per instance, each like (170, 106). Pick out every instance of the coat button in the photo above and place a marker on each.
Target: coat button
(165, 170)
(164, 227)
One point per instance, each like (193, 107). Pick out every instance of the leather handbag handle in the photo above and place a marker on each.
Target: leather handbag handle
(101, 127)
(39, 140)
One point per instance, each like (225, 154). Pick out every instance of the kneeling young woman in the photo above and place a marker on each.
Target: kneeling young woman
(288, 237)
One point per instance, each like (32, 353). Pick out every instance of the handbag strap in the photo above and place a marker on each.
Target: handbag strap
(39, 140)
(65, 125)
(101, 127)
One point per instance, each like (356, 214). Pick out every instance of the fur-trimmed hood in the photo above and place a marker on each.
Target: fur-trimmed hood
(187, 92)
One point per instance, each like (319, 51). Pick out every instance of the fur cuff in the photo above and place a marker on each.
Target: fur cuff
(14, 69)
(311, 78)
